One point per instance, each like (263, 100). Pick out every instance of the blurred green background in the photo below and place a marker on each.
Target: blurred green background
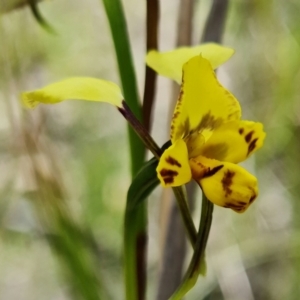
(64, 169)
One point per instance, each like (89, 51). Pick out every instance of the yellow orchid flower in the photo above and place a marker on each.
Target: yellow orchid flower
(208, 139)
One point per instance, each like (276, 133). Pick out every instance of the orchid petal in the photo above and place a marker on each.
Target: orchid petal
(204, 104)
(225, 184)
(169, 64)
(78, 88)
(234, 141)
(173, 168)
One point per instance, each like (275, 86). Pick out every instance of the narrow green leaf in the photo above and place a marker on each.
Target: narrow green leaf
(143, 184)
(135, 219)
(118, 26)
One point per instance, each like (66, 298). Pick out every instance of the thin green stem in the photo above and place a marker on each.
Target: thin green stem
(185, 214)
(194, 268)
(205, 224)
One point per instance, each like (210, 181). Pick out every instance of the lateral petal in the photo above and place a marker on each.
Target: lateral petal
(173, 168)
(203, 104)
(225, 184)
(234, 141)
(169, 64)
(77, 88)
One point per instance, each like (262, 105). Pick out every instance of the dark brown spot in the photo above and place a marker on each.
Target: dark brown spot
(248, 137)
(208, 121)
(252, 146)
(169, 180)
(213, 171)
(227, 182)
(172, 161)
(168, 175)
(176, 114)
(241, 131)
(166, 172)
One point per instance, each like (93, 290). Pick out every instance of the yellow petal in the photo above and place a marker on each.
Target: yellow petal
(77, 88)
(173, 168)
(169, 64)
(225, 184)
(203, 104)
(234, 141)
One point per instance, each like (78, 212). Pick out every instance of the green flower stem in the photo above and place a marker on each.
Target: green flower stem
(185, 214)
(205, 225)
(140, 130)
(197, 261)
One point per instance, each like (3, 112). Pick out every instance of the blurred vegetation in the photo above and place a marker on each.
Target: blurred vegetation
(65, 170)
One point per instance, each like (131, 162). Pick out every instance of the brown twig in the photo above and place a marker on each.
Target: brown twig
(152, 12)
(215, 23)
(150, 77)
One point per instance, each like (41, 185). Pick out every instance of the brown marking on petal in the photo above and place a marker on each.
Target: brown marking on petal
(168, 175)
(254, 195)
(252, 198)
(209, 121)
(166, 172)
(213, 171)
(175, 116)
(248, 137)
(227, 182)
(172, 161)
(199, 170)
(168, 180)
(241, 131)
(236, 207)
(179, 100)
(252, 146)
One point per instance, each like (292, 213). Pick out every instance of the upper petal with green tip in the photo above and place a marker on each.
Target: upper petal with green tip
(169, 64)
